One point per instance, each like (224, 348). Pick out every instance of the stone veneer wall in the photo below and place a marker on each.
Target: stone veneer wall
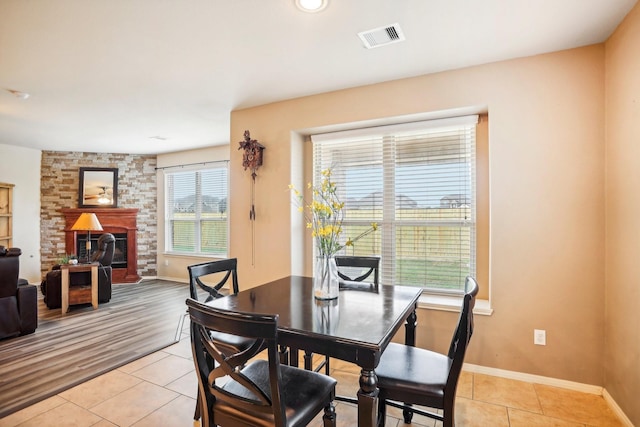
(137, 188)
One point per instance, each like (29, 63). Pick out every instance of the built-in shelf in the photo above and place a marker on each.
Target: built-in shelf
(6, 214)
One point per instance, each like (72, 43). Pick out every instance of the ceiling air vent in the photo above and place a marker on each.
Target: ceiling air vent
(381, 36)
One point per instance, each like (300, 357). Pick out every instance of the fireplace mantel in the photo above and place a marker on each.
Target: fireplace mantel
(113, 220)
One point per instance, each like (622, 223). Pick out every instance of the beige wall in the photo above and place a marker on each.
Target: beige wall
(546, 133)
(173, 267)
(21, 166)
(622, 318)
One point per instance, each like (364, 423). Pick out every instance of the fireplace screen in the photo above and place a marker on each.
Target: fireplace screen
(119, 256)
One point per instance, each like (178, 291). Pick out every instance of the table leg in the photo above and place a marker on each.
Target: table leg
(409, 339)
(368, 399)
(410, 330)
(293, 357)
(94, 287)
(64, 290)
(284, 355)
(308, 360)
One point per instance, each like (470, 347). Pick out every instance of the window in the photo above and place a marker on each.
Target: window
(417, 181)
(196, 211)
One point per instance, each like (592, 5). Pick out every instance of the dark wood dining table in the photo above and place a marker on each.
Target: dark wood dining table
(356, 327)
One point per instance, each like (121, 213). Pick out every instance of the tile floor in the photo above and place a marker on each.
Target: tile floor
(160, 390)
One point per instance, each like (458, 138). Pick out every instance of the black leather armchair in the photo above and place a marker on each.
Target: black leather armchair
(18, 299)
(51, 286)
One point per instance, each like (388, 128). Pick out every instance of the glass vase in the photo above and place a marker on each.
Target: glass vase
(327, 315)
(325, 278)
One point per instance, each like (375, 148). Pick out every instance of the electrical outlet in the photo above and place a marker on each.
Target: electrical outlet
(539, 337)
(166, 262)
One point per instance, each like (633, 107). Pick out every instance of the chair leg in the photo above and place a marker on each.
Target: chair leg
(407, 414)
(448, 414)
(196, 415)
(180, 325)
(326, 365)
(382, 411)
(329, 417)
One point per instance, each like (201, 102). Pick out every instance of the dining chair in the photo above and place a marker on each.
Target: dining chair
(212, 270)
(219, 272)
(356, 271)
(240, 391)
(417, 376)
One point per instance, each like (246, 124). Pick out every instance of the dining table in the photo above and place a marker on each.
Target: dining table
(356, 327)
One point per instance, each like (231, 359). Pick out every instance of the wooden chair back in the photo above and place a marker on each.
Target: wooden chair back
(353, 269)
(219, 271)
(462, 334)
(246, 395)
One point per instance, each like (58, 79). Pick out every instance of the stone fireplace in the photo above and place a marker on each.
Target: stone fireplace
(122, 223)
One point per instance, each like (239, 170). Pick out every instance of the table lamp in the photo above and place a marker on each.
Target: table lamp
(87, 222)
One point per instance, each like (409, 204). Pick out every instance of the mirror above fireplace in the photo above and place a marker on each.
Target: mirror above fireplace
(98, 188)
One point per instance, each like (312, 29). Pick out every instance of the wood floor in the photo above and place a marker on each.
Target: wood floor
(65, 351)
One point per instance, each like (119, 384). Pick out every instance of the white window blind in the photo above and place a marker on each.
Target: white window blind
(417, 181)
(196, 210)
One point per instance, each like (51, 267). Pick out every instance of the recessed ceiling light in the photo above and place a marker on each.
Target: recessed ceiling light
(311, 5)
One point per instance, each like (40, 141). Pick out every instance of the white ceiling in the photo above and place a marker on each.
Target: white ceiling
(110, 75)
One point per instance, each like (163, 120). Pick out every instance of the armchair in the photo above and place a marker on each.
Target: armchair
(51, 286)
(18, 299)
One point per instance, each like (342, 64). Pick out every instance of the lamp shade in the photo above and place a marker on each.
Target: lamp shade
(88, 222)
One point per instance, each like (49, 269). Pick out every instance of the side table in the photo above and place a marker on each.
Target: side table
(66, 270)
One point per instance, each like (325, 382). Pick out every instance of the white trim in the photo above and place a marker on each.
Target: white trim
(202, 255)
(174, 279)
(616, 409)
(400, 128)
(554, 382)
(531, 378)
(452, 303)
(128, 283)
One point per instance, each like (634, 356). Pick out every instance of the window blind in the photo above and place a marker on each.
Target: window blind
(417, 181)
(196, 210)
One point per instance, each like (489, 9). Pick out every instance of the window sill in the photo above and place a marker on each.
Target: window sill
(194, 255)
(452, 303)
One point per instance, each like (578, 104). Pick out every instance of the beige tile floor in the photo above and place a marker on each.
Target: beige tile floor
(160, 390)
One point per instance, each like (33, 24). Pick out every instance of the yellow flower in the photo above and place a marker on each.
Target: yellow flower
(325, 214)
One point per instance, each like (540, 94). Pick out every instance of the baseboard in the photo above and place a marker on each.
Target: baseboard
(538, 379)
(173, 279)
(616, 409)
(554, 382)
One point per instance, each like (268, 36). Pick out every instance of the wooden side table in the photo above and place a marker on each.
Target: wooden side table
(80, 296)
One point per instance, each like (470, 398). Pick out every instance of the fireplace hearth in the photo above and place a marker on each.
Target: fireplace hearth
(122, 223)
